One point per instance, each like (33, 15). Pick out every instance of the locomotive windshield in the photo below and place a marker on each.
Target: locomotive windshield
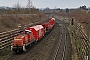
(21, 32)
(27, 32)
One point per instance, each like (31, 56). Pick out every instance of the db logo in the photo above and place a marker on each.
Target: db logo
(26, 38)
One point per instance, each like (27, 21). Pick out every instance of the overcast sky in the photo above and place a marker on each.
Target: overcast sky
(48, 3)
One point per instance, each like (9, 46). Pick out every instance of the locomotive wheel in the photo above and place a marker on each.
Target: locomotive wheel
(18, 51)
(35, 42)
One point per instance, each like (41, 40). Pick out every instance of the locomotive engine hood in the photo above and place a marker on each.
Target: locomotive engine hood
(18, 40)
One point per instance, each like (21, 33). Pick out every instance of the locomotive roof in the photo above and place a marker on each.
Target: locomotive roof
(28, 30)
(37, 27)
(53, 18)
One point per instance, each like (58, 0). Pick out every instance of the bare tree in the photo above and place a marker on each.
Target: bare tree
(17, 6)
(29, 4)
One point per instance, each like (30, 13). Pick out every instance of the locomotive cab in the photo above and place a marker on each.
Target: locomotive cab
(27, 32)
(20, 41)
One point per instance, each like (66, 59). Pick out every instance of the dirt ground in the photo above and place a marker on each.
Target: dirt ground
(43, 50)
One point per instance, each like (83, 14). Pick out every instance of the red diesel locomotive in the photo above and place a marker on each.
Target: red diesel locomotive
(30, 35)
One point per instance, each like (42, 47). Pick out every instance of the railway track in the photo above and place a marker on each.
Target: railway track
(55, 46)
(18, 14)
(63, 44)
(13, 57)
(41, 50)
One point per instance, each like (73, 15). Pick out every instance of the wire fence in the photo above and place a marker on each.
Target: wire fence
(82, 42)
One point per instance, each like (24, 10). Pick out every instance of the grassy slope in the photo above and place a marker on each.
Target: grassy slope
(12, 22)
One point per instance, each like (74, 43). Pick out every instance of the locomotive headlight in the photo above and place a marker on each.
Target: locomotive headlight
(11, 48)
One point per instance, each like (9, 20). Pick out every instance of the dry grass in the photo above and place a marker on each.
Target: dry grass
(80, 16)
(74, 48)
(12, 22)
